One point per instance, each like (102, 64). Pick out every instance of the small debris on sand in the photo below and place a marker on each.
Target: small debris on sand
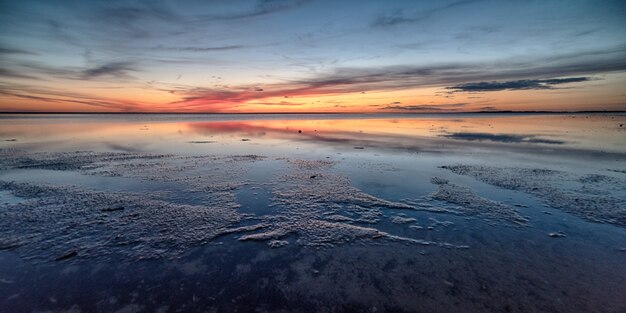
(617, 171)
(201, 141)
(557, 234)
(68, 255)
(313, 176)
(359, 148)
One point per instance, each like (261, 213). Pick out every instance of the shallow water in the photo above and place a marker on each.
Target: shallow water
(313, 213)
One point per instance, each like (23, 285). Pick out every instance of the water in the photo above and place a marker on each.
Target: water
(313, 213)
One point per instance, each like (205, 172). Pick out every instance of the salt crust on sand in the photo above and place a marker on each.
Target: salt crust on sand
(315, 207)
(595, 197)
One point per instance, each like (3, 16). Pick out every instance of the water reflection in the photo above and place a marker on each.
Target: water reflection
(427, 134)
(508, 138)
(162, 133)
(156, 205)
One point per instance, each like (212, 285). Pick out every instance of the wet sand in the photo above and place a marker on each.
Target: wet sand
(186, 215)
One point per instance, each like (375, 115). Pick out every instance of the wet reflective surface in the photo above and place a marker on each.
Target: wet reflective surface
(313, 213)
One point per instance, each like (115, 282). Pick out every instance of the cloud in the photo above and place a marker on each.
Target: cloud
(401, 17)
(425, 107)
(352, 80)
(281, 103)
(202, 49)
(525, 84)
(113, 69)
(507, 138)
(262, 7)
(395, 18)
(118, 70)
(55, 96)
(12, 74)
(364, 79)
(557, 81)
(488, 108)
(4, 50)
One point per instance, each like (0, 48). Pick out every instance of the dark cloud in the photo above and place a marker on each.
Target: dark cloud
(113, 69)
(13, 74)
(556, 81)
(425, 107)
(488, 108)
(4, 50)
(525, 84)
(507, 138)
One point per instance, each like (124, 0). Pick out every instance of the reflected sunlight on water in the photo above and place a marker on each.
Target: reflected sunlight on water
(391, 206)
(160, 132)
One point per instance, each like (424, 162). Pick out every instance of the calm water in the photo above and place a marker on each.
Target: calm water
(313, 213)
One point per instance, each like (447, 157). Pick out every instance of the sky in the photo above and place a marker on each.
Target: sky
(312, 56)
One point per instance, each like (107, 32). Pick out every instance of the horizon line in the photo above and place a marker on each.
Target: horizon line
(338, 113)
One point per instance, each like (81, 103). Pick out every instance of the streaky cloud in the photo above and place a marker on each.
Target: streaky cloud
(114, 69)
(262, 7)
(401, 17)
(526, 84)
(202, 49)
(425, 107)
(12, 74)
(60, 97)
(5, 50)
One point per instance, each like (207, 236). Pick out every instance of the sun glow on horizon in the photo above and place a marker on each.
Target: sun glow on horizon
(92, 57)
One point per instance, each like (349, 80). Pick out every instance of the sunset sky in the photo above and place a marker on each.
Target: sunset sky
(312, 56)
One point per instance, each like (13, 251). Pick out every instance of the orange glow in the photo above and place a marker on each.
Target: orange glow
(111, 97)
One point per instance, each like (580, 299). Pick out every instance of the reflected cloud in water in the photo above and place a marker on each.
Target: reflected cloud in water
(270, 133)
(507, 138)
(518, 133)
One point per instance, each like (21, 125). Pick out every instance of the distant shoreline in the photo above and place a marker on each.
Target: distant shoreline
(317, 113)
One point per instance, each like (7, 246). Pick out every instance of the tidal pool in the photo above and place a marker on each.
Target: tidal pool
(313, 213)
